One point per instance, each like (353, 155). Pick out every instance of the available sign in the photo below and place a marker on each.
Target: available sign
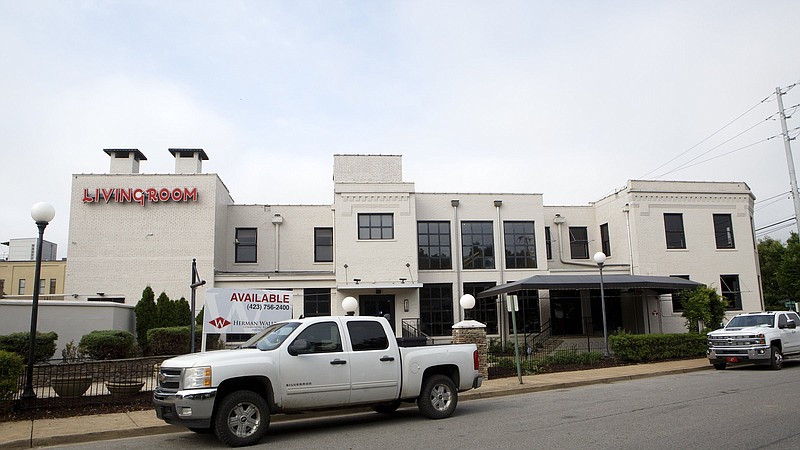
(244, 310)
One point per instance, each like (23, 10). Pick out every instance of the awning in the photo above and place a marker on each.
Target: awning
(660, 284)
(363, 286)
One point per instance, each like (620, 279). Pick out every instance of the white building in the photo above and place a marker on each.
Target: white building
(405, 253)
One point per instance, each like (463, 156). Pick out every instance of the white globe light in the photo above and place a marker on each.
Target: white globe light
(43, 212)
(467, 301)
(350, 304)
(599, 257)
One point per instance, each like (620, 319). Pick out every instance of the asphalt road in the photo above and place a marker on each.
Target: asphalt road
(740, 408)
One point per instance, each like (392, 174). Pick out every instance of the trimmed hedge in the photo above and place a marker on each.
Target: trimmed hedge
(11, 368)
(169, 340)
(107, 344)
(19, 343)
(654, 347)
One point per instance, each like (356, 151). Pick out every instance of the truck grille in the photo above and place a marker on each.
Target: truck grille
(169, 378)
(732, 341)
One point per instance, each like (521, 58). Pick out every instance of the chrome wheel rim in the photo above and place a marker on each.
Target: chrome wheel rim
(441, 397)
(244, 419)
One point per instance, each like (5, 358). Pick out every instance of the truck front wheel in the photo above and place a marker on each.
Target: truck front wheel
(241, 419)
(776, 358)
(438, 398)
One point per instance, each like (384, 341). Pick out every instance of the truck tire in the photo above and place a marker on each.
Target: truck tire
(386, 408)
(720, 366)
(775, 358)
(241, 419)
(438, 398)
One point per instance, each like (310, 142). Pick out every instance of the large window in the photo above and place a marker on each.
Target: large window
(520, 244)
(323, 244)
(579, 243)
(316, 302)
(605, 240)
(246, 245)
(673, 227)
(723, 231)
(477, 245)
(677, 302)
(434, 245)
(375, 226)
(731, 290)
(485, 310)
(436, 309)
(548, 243)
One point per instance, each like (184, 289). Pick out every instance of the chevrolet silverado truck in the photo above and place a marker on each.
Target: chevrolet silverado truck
(307, 364)
(765, 338)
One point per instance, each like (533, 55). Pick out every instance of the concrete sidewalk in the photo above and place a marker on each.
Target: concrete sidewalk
(47, 432)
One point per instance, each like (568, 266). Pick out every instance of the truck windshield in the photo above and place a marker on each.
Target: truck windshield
(272, 336)
(764, 320)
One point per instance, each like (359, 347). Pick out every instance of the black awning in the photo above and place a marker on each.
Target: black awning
(660, 284)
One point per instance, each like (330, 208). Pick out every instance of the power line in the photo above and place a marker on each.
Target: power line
(773, 224)
(686, 165)
(774, 196)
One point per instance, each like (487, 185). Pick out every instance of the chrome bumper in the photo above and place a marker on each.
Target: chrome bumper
(189, 408)
(760, 353)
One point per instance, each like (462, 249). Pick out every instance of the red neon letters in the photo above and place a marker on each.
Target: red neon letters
(140, 196)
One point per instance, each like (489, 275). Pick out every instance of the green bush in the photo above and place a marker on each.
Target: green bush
(19, 343)
(169, 340)
(654, 347)
(11, 368)
(107, 344)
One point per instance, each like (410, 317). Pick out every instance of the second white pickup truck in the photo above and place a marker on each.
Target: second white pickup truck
(306, 364)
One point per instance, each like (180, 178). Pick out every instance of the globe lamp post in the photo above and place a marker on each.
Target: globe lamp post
(600, 259)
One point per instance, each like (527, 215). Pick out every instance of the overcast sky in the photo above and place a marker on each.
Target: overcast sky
(569, 99)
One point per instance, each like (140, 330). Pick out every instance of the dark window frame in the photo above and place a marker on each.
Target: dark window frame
(677, 302)
(548, 242)
(436, 309)
(674, 231)
(375, 226)
(731, 288)
(605, 239)
(316, 302)
(477, 254)
(520, 255)
(486, 309)
(53, 284)
(723, 231)
(578, 245)
(434, 246)
(243, 244)
(323, 245)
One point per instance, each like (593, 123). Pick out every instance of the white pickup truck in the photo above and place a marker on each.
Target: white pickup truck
(765, 338)
(306, 364)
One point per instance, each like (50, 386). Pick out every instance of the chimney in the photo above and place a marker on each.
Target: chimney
(125, 160)
(188, 160)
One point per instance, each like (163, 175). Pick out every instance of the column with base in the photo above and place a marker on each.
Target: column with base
(474, 332)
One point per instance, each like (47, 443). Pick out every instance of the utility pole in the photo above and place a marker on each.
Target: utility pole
(789, 160)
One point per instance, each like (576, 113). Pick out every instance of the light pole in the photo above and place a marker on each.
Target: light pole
(41, 213)
(600, 259)
(350, 305)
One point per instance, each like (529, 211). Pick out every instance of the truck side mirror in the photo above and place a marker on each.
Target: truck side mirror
(298, 347)
(790, 324)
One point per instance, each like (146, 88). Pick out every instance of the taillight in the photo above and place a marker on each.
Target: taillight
(475, 364)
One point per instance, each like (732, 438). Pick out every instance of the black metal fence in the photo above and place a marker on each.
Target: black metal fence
(69, 384)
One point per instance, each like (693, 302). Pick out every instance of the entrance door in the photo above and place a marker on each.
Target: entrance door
(377, 306)
(565, 312)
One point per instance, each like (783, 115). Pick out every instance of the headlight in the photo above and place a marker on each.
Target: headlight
(760, 340)
(197, 377)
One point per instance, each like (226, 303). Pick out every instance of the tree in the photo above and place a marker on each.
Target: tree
(146, 315)
(165, 311)
(703, 304)
(780, 271)
(183, 312)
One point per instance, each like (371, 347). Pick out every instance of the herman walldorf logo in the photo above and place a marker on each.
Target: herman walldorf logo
(219, 322)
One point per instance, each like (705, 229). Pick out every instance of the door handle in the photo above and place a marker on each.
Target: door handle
(338, 361)
(387, 358)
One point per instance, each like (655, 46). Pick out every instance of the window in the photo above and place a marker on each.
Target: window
(605, 240)
(528, 316)
(41, 286)
(673, 227)
(520, 244)
(375, 226)
(323, 244)
(322, 337)
(316, 302)
(434, 245)
(677, 302)
(477, 245)
(21, 287)
(52, 285)
(2, 287)
(731, 291)
(436, 309)
(367, 336)
(548, 243)
(246, 240)
(578, 243)
(485, 309)
(723, 230)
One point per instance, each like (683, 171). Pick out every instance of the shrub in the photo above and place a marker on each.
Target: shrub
(19, 343)
(11, 368)
(169, 340)
(107, 344)
(145, 311)
(654, 347)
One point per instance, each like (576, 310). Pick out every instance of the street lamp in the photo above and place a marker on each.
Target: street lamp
(41, 213)
(600, 259)
(350, 305)
(467, 302)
